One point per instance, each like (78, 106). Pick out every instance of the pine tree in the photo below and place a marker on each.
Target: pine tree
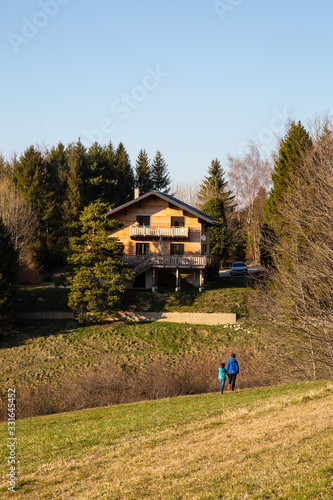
(143, 173)
(8, 280)
(217, 239)
(57, 159)
(159, 174)
(36, 179)
(95, 170)
(110, 175)
(288, 170)
(125, 177)
(4, 167)
(99, 276)
(292, 151)
(214, 184)
(76, 195)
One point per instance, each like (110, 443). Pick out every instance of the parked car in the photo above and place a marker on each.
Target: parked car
(238, 269)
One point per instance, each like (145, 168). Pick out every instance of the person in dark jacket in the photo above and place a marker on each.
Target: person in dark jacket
(232, 370)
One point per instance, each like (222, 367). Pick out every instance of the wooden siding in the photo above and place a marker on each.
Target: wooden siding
(160, 212)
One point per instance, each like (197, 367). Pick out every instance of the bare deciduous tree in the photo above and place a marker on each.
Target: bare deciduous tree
(247, 175)
(188, 192)
(19, 218)
(250, 179)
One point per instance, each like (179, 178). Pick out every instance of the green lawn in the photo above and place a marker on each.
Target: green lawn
(221, 296)
(263, 443)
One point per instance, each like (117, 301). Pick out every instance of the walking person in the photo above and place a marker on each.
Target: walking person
(222, 376)
(232, 370)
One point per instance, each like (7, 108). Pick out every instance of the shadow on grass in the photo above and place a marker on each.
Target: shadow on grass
(159, 301)
(23, 331)
(42, 299)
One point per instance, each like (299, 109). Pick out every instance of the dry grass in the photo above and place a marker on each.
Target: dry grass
(259, 444)
(56, 369)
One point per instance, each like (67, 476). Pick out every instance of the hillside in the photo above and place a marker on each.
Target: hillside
(45, 359)
(222, 295)
(57, 366)
(262, 443)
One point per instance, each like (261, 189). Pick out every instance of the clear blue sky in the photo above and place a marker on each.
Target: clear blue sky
(192, 78)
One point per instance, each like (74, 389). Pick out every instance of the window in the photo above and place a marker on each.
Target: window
(142, 248)
(178, 221)
(143, 220)
(176, 249)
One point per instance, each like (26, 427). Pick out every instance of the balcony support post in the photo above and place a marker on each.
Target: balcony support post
(201, 280)
(177, 280)
(154, 287)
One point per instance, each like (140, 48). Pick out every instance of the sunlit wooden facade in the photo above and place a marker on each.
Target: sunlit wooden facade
(160, 232)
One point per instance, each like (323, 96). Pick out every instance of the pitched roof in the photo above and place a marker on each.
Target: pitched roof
(170, 199)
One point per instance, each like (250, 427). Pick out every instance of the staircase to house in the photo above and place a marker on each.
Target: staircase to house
(142, 266)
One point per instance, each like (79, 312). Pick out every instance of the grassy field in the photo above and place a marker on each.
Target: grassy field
(44, 350)
(262, 443)
(224, 295)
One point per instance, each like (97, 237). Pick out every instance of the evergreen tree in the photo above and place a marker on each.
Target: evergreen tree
(288, 167)
(159, 174)
(57, 159)
(101, 175)
(94, 180)
(110, 175)
(8, 279)
(35, 178)
(217, 240)
(143, 173)
(76, 195)
(4, 167)
(214, 184)
(292, 151)
(125, 183)
(99, 276)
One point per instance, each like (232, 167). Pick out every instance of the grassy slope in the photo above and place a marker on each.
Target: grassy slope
(44, 350)
(224, 295)
(262, 443)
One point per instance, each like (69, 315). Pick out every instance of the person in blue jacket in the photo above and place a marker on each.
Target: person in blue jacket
(232, 370)
(222, 376)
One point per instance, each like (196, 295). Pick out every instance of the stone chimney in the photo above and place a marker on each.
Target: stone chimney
(136, 192)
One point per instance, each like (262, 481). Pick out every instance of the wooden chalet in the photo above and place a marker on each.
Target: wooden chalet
(166, 241)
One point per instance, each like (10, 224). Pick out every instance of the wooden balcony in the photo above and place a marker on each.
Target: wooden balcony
(156, 232)
(143, 262)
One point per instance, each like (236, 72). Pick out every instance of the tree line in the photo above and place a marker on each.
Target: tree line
(55, 185)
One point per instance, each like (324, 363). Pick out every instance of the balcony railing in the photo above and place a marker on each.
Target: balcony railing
(168, 232)
(171, 261)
